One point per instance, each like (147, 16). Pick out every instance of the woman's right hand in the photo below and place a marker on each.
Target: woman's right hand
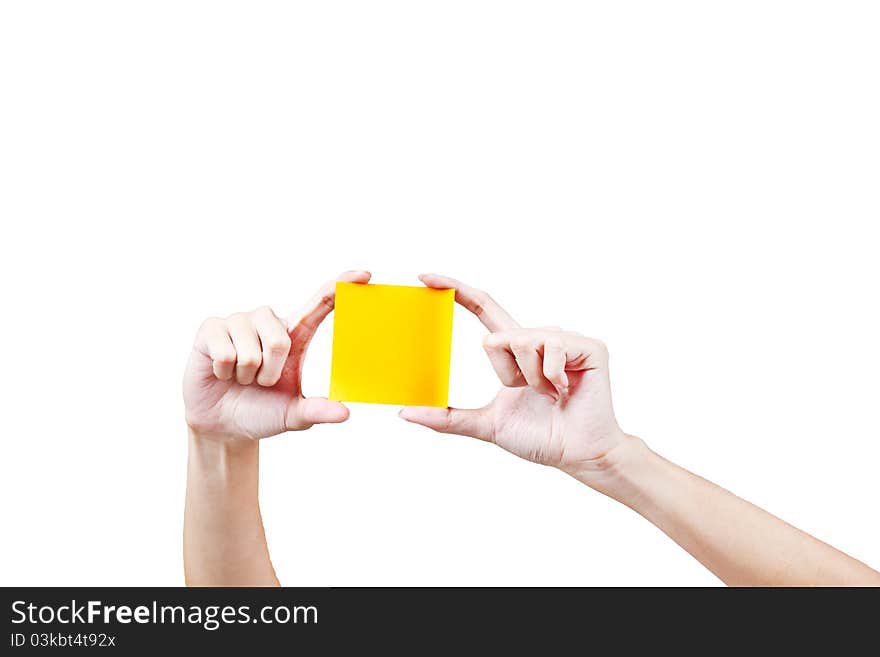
(244, 376)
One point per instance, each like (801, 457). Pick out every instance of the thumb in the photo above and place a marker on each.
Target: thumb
(464, 422)
(303, 413)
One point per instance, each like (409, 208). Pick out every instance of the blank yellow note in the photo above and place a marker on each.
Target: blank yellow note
(391, 344)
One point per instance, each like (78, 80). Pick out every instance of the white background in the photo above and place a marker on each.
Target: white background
(695, 183)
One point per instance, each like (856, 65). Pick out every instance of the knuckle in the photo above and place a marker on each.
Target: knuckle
(249, 361)
(480, 300)
(598, 348)
(224, 357)
(278, 346)
(263, 311)
(497, 340)
(553, 342)
(520, 343)
(210, 323)
(327, 293)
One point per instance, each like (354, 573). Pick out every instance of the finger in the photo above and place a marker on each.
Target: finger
(554, 363)
(493, 316)
(248, 354)
(319, 306)
(303, 413)
(503, 362)
(525, 349)
(580, 353)
(593, 354)
(215, 343)
(464, 422)
(274, 343)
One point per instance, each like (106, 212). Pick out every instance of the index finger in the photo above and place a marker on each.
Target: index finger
(487, 310)
(319, 306)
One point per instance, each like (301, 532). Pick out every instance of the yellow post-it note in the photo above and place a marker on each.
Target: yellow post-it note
(391, 344)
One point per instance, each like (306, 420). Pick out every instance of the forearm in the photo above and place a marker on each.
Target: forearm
(223, 539)
(739, 542)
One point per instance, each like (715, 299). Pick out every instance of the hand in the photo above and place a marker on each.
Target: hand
(555, 408)
(244, 377)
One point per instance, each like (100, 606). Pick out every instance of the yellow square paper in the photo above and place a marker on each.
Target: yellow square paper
(391, 344)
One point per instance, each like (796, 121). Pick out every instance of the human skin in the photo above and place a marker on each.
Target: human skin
(555, 409)
(243, 383)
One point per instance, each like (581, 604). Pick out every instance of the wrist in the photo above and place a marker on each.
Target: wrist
(618, 472)
(218, 457)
